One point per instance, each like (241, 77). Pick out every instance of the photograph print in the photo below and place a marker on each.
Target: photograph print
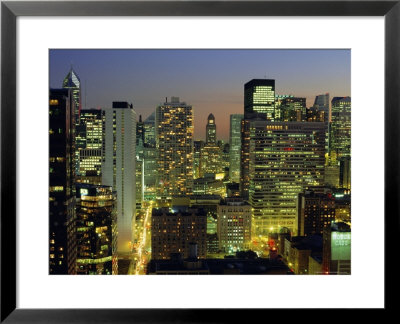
(199, 162)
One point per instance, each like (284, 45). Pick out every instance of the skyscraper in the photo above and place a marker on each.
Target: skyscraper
(62, 245)
(322, 104)
(96, 213)
(89, 143)
(72, 81)
(259, 103)
(211, 153)
(211, 130)
(259, 98)
(119, 166)
(285, 159)
(293, 109)
(340, 139)
(150, 159)
(174, 137)
(235, 144)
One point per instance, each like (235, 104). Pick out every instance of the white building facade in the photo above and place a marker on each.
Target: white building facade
(118, 168)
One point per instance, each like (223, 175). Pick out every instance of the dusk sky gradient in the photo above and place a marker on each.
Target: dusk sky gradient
(212, 81)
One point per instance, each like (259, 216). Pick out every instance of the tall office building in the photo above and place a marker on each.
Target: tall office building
(96, 225)
(197, 148)
(293, 109)
(149, 158)
(211, 153)
(139, 163)
(340, 133)
(211, 130)
(285, 159)
(119, 166)
(259, 98)
(62, 245)
(72, 81)
(149, 130)
(322, 104)
(89, 143)
(235, 145)
(259, 103)
(174, 138)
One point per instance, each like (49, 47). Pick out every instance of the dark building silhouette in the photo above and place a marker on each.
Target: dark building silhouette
(62, 245)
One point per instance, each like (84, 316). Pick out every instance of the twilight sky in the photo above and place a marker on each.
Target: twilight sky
(212, 81)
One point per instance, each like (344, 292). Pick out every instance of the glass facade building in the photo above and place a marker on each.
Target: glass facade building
(62, 230)
(235, 144)
(340, 132)
(96, 227)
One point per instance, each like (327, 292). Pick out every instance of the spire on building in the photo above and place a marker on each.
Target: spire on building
(71, 80)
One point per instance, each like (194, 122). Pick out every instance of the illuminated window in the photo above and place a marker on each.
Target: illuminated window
(53, 102)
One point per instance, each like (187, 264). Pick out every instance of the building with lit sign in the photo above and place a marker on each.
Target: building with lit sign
(337, 249)
(96, 226)
(119, 167)
(285, 159)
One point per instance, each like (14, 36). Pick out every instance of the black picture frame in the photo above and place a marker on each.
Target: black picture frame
(10, 10)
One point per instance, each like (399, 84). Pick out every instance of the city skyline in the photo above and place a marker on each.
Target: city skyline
(131, 194)
(209, 80)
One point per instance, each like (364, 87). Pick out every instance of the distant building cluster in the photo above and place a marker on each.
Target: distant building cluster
(133, 196)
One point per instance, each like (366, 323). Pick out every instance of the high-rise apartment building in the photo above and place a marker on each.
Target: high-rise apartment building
(62, 245)
(340, 133)
(235, 145)
(96, 213)
(119, 167)
(175, 232)
(285, 159)
(174, 138)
